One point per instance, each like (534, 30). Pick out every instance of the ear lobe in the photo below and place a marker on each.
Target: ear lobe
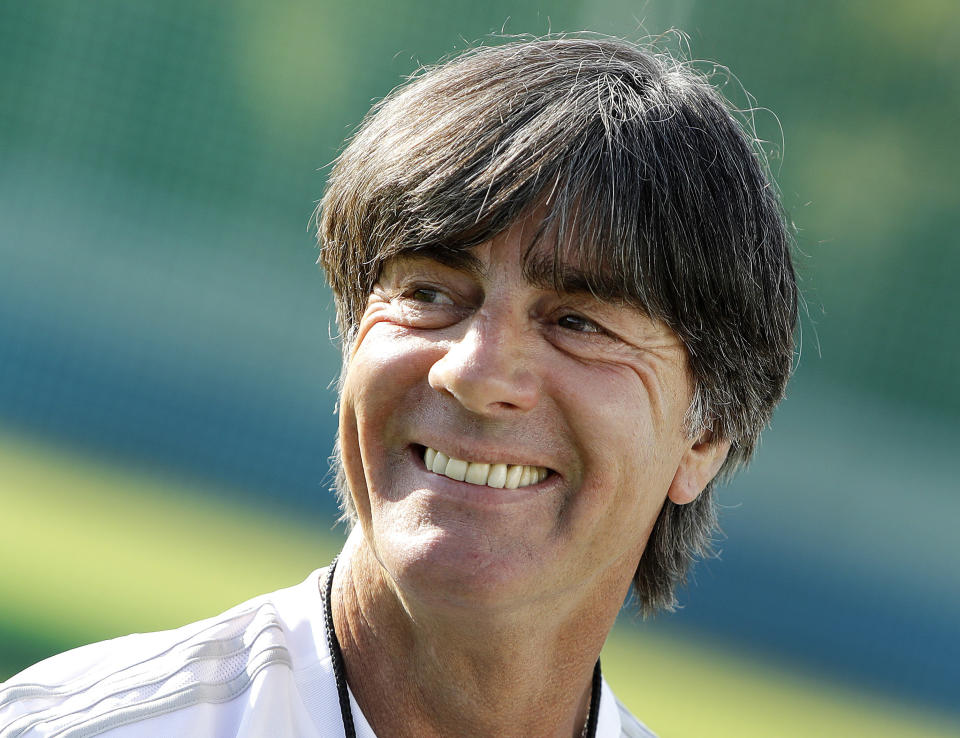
(700, 464)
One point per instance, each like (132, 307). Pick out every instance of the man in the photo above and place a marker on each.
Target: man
(567, 303)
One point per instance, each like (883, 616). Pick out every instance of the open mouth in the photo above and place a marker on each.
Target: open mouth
(497, 476)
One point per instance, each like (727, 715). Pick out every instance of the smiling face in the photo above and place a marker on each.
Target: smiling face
(479, 363)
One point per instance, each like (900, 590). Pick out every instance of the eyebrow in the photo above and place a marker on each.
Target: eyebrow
(544, 272)
(560, 277)
(459, 259)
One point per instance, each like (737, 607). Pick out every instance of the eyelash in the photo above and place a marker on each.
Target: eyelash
(592, 327)
(433, 292)
(439, 297)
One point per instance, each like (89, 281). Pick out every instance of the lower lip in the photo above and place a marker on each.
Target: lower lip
(480, 494)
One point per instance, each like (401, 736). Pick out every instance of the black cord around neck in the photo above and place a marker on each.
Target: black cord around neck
(593, 716)
(336, 655)
(340, 671)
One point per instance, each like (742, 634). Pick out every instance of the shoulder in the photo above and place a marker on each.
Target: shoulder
(157, 678)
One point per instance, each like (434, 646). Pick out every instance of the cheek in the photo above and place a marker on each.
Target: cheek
(382, 391)
(628, 455)
(385, 368)
(351, 460)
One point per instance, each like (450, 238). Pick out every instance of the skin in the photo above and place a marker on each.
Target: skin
(461, 605)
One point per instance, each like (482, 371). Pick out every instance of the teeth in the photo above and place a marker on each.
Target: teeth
(498, 476)
(477, 473)
(456, 469)
(491, 475)
(440, 463)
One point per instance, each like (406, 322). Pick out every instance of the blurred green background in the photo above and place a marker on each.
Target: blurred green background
(165, 363)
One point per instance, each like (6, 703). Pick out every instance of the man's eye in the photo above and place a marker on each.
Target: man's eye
(430, 295)
(579, 324)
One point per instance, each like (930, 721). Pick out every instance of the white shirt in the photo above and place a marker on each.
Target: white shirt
(262, 668)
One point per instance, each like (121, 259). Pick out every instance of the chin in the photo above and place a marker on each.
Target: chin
(460, 568)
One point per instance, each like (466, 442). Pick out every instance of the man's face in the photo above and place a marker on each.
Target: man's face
(487, 368)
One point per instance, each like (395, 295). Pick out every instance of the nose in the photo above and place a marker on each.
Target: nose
(488, 369)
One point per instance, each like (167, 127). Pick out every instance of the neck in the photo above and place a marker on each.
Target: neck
(415, 671)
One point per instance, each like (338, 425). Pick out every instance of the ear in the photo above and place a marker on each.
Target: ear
(700, 464)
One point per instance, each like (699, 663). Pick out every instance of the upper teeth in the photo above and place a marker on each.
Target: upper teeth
(510, 476)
